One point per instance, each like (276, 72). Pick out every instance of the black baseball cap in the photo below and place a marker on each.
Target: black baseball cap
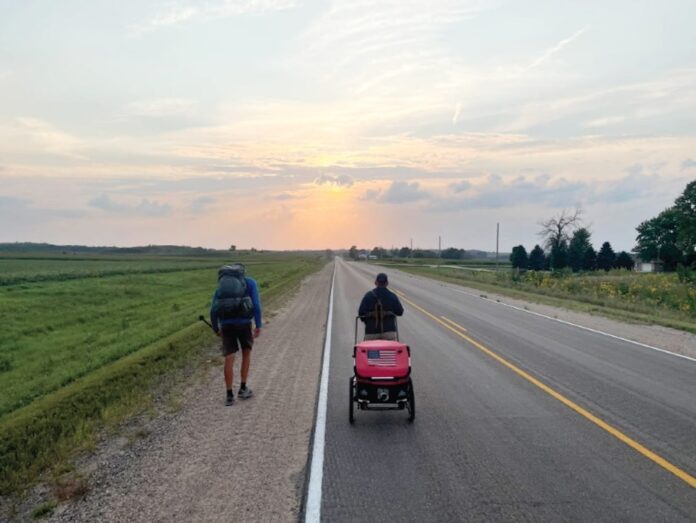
(382, 278)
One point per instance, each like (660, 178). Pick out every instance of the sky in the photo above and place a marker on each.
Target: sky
(291, 124)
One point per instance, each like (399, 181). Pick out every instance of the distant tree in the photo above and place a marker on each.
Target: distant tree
(537, 259)
(353, 252)
(624, 261)
(404, 252)
(380, 252)
(452, 253)
(233, 248)
(558, 258)
(421, 253)
(589, 260)
(577, 248)
(657, 239)
(606, 257)
(519, 257)
(557, 229)
(685, 207)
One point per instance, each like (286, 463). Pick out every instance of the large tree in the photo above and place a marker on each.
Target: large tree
(657, 239)
(556, 233)
(519, 257)
(671, 235)
(353, 252)
(685, 206)
(577, 248)
(404, 252)
(606, 257)
(537, 259)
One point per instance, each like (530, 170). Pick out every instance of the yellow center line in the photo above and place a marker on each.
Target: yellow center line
(454, 324)
(662, 462)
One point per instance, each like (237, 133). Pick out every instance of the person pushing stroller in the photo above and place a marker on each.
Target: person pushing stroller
(375, 308)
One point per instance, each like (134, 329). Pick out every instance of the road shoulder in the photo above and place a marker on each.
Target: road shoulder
(208, 462)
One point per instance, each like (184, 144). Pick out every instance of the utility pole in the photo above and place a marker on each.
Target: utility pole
(411, 253)
(497, 238)
(439, 246)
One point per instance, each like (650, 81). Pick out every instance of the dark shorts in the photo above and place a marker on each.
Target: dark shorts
(236, 336)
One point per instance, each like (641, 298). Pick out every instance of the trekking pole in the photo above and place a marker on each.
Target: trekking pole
(202, 318)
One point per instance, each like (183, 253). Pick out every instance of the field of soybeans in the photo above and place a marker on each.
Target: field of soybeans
(84, 336)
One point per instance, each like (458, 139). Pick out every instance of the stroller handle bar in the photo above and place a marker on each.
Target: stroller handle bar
(386, 314)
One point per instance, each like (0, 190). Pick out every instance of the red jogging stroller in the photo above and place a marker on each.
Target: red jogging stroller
(382, 376)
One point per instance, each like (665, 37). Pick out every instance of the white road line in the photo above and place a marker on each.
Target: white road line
(578, 326)
(313, 506)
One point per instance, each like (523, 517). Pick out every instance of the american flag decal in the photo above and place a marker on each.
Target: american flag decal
(381, 358)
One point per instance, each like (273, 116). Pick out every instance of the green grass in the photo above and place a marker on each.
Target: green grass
(76, 353)
(640, 298)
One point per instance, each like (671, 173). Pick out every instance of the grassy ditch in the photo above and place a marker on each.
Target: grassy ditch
(77, 354)
(640, 298)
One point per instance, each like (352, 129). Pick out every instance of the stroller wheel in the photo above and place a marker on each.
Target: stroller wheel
(351, 401)
(411, 404)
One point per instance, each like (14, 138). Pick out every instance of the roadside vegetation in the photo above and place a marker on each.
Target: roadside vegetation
(84, 340)
(663, 299)
(567, 271)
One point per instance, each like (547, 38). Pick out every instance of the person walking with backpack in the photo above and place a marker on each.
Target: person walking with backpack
(377, 310)
(235, 302)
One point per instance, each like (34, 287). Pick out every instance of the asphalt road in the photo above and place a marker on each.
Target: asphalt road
(489, 445)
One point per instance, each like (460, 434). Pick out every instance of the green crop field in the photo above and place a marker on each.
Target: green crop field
(72, 327)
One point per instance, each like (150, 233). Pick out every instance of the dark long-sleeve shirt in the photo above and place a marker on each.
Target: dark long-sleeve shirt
(390, 303)
(253, 292)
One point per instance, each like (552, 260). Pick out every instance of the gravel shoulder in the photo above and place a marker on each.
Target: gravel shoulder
(672, 340)
(209, 462)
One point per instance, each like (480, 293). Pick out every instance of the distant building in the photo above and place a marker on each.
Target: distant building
(651, 266)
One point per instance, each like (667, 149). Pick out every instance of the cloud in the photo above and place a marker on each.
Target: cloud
(284, 196)
(211, 11)
(403, 192)
(605, 121)
(457, 112)
(340, 180)
(370, 195)
(688, 164)
(198, 206)
(44, 135)
(10, 203)
(460, 186)
(633, 187)
(159, 107)
(555, 49)
(496, 192)
(144, 208)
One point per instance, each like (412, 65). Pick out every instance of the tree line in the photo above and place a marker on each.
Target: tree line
(450, 253)
(669, 238)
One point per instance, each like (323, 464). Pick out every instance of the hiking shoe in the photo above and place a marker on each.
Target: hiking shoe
(229, 400)
(245, 393)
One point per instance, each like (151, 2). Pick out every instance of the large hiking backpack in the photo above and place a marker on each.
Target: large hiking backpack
(232, 300)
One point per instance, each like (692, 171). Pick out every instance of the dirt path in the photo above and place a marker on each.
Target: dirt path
(208, 462)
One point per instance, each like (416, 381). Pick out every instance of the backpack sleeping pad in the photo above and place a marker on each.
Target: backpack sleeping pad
(232, 300)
